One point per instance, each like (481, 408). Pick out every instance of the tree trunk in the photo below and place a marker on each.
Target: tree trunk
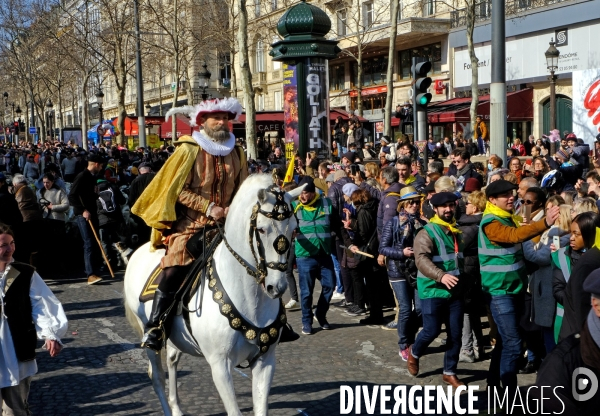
(84, 115)
(120, 74)
(175, 69)
(359, 68)
(233, 79)
(389, 98)
(470, 10)
(247, 80)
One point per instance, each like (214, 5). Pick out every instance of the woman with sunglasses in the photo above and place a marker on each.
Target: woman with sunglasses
(396, 247)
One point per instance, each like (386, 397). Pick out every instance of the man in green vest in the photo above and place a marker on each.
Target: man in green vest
(504, 275)
(439, 257)
(316, 220)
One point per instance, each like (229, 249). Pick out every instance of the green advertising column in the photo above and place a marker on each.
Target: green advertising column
(304, 53)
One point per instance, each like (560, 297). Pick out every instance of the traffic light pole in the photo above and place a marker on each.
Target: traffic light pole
(421, 98)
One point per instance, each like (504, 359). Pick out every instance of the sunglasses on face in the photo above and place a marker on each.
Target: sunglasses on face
(528, 202)
(413, 202)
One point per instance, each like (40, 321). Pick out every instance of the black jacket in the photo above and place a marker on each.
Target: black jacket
(364, 226)
(559, 283)
(576, 300)
(83, 194)
(392, 243)
(469, 225)
(137, 187)
(10, 214)
(116, 216)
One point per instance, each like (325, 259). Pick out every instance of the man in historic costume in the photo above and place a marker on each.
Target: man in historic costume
(193, 189)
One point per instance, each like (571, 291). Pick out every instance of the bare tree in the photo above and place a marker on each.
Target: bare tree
(390, 68)
(470, 18)
(246, 77)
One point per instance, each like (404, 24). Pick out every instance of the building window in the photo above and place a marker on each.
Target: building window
(524, 4)
(336, 77)
(368, 13)
(400, 10)
(277, 98)
(428, 7)
(259, 64)
(431, 52)
(484, 9)
(342, 24)
(273, 5)
(225, 69)
(256, 8)
(261, 103)
(374, 71)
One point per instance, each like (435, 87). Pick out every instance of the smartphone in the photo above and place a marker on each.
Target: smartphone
(353, 169)
(526, 211)
(556, 241)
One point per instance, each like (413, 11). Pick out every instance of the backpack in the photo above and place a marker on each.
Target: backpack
(106, 201)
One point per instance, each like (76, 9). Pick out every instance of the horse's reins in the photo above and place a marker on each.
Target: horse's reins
(281, 243)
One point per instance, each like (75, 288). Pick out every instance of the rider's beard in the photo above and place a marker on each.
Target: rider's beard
(219, 134)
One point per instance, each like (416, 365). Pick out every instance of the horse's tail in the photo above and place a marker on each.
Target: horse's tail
(132, 318)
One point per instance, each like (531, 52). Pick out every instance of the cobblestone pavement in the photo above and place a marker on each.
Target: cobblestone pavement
(102, 370)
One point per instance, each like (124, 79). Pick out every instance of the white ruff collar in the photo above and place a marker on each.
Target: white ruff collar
(214, 148)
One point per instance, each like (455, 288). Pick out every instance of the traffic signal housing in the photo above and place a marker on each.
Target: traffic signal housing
(422, 83)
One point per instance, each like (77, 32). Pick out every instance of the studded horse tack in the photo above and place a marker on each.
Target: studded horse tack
(281, 211)
(265, 337)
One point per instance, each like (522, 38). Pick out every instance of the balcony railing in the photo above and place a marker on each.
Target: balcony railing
(259, 79)
(483, 10)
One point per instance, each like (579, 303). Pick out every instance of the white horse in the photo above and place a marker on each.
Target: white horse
(255, 209)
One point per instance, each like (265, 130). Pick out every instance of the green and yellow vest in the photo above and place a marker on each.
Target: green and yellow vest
(561, 261)
(503, 269)
(314, 236)
(445, 258)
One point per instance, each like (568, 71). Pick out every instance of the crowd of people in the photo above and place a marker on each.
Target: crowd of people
(515, 243)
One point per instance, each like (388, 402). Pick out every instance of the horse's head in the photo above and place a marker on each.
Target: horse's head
(269, 228)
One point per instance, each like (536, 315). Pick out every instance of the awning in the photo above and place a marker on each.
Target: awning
(165, 130)
(519, 107)
(273, 120)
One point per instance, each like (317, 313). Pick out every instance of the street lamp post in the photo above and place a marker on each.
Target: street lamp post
(203, 80)
(552, 55)
(50, 105)
(18, 111)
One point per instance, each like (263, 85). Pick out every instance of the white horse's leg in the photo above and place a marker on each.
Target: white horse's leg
(221, 373)
(262, 376)
(157, 374)
(173, 357)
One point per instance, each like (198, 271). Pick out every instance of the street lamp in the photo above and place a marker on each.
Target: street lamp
(203, 80)
(552, 55)
(100, 101)
(18, 111)
(50, 119)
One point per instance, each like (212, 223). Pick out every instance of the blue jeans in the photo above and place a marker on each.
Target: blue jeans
(408, 317)
(338, 277)
(480, 146)
(435, 312)
(88, 244)
(505, 356)
(311, 269)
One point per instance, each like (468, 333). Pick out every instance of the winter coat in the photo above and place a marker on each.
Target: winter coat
(59, 200)
(543, 304)
(116, 216)
(388, 205)
(576, 301)
(9, 208)
(30, 209)
(395, 237)
(469, 225)
(31, 170)
(336, 195)
(559, 283)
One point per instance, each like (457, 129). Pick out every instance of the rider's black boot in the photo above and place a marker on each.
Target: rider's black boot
(158, 327)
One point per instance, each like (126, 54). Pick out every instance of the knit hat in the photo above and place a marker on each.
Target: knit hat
(330, 178)
(563, 154)
(339, 174)
(472, 185)
(310, 185)
(349, 188)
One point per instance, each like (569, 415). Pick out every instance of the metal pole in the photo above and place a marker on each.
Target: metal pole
(140, 81)
(552, 100)
(497, 132)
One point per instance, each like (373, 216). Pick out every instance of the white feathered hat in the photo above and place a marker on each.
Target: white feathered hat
(224, 105)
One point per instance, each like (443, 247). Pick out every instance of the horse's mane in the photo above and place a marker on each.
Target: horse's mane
(246, 196)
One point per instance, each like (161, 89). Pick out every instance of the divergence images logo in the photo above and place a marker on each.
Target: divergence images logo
(584, 384)
(562, 37)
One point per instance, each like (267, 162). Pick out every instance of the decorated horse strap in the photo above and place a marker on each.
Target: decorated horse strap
(265, 337)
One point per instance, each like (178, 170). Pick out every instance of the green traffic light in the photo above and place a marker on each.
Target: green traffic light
(423, 100)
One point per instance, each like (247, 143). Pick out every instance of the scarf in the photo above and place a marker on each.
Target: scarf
(309, 206)
(492, 209)
(597, 239)
(451, 226)
(463, 171)
(214, 148)
(410, 180)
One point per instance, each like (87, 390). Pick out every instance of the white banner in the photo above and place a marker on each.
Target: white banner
(579, 50)
(586, 105)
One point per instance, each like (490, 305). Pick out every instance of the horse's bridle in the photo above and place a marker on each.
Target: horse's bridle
(281, 243)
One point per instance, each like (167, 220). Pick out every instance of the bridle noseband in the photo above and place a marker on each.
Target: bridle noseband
(280, 212)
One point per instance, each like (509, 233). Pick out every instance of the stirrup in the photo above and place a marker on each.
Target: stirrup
(146, 343)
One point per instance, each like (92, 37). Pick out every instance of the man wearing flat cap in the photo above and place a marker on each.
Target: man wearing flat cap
(317, 218)
(504, 275)
(439, 257)
(191, 191)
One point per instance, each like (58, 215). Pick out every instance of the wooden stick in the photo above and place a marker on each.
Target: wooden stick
(101, 249)
(359, 252)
